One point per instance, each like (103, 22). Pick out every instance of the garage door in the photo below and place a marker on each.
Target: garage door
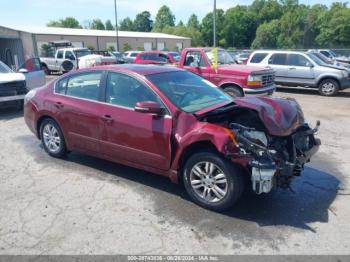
(10, 51)
(147, 46)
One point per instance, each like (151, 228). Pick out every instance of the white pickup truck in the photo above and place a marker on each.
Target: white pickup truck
(64, 60)
(67, 59)
(15, 84)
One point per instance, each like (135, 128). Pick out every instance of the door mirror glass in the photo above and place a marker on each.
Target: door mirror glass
(149, 107)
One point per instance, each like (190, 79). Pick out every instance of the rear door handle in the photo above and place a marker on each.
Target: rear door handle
(59, 105)
(107, 118)
(292, 68)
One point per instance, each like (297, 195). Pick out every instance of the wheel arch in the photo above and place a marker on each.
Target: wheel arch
(191, 149)
(232, 84)
(328, 77)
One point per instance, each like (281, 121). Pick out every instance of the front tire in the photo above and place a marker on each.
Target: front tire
(328, 87)
(211, 181)
(52, 138)
(233, 91)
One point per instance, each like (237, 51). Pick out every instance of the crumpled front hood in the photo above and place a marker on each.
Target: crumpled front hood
(281, 116)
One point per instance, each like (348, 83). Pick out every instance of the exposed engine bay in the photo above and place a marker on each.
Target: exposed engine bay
(274, 160)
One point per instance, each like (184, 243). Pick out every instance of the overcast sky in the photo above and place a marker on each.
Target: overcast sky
(39, 12)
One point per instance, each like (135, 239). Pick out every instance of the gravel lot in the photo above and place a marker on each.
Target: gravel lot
(83, 205)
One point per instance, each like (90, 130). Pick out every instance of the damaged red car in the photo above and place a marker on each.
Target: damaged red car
(174, 123)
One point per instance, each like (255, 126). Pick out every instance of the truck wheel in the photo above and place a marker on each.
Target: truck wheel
(328, 87)
(46, 70)
(52, 138)
(234, 91)
(67, 66)
(211, 181)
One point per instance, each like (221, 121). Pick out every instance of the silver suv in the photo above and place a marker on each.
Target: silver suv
(294, 68)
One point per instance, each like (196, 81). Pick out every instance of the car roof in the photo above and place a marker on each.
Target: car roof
(137, 68)
(279, 52)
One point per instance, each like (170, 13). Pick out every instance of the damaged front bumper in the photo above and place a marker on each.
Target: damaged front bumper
(278, 161)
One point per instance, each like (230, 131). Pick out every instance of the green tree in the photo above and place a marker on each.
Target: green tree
(97, 24)
(239, 27)
(195, 35)
(334, 27)
(126, 24)
(68, 22)
(193, 22)
(266, 10)
(143, 22)
(108, 25)
(207, 27)
(180, 23)
(266, 35)
(126, 47)
(163, 19)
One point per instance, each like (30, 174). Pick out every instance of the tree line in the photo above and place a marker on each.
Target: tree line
(263, 24)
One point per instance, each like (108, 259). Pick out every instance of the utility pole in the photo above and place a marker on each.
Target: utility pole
(116, 23)
(214, 24)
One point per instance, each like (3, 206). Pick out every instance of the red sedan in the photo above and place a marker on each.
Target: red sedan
(174, 123)
(157, 57)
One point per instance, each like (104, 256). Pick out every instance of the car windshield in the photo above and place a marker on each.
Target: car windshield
(223, 57)
(82, 52)
(4, 68)
(188, 91)
(317, 59)
(117, 55)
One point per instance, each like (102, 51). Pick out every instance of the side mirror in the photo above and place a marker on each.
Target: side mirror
(309, 65)
(149, 107)
(23, 70)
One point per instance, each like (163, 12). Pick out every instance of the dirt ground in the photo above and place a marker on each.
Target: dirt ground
(84, 205)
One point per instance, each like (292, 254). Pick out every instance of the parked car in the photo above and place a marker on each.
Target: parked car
(64, 60)
(242, 57)
(15, 84)
(118, 57)
(156, 57)
(321, 54)
(174, 123)
(325, 61)
(130, 56)
(332, 55)
(296, 69)
(236, 80)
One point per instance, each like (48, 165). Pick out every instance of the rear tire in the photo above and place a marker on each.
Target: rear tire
(212, 181)
(52, 138)
(328, 87)
(234, 91)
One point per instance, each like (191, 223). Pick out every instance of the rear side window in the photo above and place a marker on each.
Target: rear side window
(258, 57)
(60, 54)
(84, 86)
(278, 59)
(133, 54)
(325, 53)
(143, 56)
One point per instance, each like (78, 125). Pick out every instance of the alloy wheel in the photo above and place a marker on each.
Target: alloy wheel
(208, 181)
(328, 88)
(51, 138)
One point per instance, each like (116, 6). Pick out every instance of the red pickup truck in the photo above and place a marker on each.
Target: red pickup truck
(234, 79)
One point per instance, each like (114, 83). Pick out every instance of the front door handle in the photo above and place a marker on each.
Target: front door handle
(107, 118)
(292, 68)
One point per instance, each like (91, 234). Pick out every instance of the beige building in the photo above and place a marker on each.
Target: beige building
(19, 43)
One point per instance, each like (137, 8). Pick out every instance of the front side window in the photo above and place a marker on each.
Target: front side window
(126, 91)
(298, 60)
(84, 86)
(188, 91)
(69, 55)
(194, 58)
(278, 59)
(224, 58)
